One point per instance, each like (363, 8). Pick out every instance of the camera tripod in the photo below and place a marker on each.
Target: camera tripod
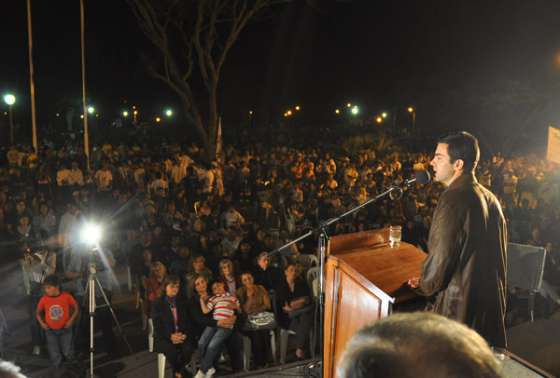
(92, 305)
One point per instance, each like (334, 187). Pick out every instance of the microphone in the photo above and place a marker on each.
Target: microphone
(420, 177)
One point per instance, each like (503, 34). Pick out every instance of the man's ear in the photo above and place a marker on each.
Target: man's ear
(459, 164)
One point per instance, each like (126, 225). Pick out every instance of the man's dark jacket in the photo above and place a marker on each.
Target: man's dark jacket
(466, 267)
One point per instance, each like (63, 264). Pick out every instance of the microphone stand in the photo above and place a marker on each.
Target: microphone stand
(322, 246)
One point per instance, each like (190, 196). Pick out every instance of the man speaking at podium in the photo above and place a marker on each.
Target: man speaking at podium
(465, 271)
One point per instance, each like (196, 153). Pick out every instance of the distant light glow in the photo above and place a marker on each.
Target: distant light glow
(298, 108)
(349, 105)
(250, 112)
(9, 99)
(135, 112)
(379, 119)
(91, 109)
(58, 114)
(81, 116)
(337, 111)
(410, 109)
(158, 119)
(355, 110)
(125, 113)
(168, 112)
(384, 115)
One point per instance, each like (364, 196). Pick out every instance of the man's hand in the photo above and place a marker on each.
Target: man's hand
(44, 326)
(414, 282)
(227, 323)
(69, 323)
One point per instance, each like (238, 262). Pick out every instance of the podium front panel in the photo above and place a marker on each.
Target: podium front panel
(351, 302)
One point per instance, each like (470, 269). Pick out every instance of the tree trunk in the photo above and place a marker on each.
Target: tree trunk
(212, 123)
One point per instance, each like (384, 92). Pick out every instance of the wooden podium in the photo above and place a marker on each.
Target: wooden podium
(364, 277)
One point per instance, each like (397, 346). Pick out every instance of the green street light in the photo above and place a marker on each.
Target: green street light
(91, 109)
(125, 113)
(355, 110)
(384, 114)
(169, 113)
(9, 99)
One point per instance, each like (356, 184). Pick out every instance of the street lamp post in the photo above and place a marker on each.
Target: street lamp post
(412, 112)
(10, 100)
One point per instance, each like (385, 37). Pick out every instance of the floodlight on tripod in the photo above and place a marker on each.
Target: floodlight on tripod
(91, 234)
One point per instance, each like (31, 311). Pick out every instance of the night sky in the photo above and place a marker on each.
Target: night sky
(485, 66)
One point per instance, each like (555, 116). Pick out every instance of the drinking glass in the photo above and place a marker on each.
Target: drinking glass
(395, 235)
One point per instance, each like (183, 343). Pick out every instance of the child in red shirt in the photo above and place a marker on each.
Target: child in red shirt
(56, 312)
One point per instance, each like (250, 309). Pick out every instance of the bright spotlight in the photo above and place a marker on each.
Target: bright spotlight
(91, 234)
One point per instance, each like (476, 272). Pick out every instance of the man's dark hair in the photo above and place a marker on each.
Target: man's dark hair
(464, 146)
(418, 345)
(51, 280)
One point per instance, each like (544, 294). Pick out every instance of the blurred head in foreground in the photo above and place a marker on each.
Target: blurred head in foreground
(417, 345)
(9, 370)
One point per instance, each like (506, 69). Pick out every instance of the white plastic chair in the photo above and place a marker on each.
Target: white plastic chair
(161, 365)
(313, 281)
(150, 335)
(284, 338)
(247, 349)
(309, 261)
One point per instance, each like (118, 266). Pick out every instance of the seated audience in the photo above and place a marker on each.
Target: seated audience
(255, 299)
(173, 328)
(295, 308)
